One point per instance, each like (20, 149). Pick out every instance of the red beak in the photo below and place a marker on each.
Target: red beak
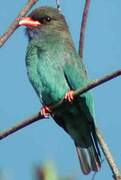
(28, 21)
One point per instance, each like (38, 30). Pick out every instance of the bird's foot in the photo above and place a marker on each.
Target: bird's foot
(69, 96)
(45, 111)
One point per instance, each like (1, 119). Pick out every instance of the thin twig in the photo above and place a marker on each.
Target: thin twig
(58, 5)
(14, 25)
(108, 155)
(83, 27)
(94, 175)
(80, 91)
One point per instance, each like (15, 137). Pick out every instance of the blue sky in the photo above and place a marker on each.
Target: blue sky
(44, 141)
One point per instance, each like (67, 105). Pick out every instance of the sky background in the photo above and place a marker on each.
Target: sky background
(44, 141)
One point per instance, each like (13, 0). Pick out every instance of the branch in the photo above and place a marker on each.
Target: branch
(83, 27)
(103, 145)
(78, 92)
(21, 125)
(109, 158)
(58, 5)
(92, 85)
(14, 25)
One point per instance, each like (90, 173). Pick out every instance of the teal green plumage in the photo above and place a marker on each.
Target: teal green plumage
(54, 68)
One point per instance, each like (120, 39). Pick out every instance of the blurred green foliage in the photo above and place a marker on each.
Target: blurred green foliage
(49, 172)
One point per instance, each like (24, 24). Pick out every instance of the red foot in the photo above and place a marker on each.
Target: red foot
(69, 96)
(45, 111)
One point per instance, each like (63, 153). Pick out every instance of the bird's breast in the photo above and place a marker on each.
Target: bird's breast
(46, 75)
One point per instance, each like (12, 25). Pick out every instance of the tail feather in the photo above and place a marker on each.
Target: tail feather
(83, 159)
(94, 159)
(89, 159)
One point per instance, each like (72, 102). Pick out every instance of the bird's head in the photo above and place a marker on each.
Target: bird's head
(44, 21)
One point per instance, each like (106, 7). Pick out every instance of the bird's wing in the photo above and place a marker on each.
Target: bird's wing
(31, 64)
(75, 71)
(76, 76)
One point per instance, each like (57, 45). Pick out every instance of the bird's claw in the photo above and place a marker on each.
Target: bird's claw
(45, 111)
(69, 96)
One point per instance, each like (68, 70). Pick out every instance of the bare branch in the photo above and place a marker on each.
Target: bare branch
(38, 116)
(103, 145)
(14, 25)
(21, 125)
(92, 85)
(107, 153)
(83, 27)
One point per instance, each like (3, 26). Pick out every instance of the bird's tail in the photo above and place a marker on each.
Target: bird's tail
(89, 159)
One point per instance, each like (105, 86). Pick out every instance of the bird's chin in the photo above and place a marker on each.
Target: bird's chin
(32, 33)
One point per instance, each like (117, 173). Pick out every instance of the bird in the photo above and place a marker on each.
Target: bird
(56, 70)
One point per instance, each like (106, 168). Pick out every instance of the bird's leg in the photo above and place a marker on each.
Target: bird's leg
(45, 111)
(69, 96)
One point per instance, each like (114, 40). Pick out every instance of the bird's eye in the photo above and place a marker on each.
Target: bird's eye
(45, 19)
(48, 19)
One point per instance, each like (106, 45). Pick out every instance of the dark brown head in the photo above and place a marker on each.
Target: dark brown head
(44, 20)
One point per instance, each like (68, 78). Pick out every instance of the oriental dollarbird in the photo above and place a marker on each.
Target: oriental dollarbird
(55, 70)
